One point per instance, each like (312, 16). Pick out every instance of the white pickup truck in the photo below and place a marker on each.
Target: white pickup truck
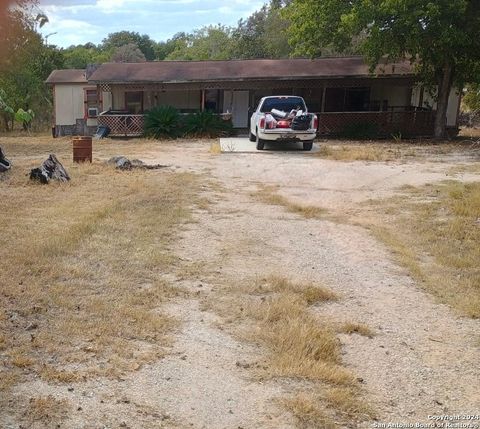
(283, 118)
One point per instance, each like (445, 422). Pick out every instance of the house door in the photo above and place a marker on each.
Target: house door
(240, 109)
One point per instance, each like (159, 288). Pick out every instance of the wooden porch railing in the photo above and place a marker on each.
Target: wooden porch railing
(408, 123)
(123, 125)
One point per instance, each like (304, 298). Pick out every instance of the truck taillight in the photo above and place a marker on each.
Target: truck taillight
(315, 122)
(262, 122)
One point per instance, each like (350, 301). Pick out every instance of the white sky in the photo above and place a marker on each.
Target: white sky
(81, 21)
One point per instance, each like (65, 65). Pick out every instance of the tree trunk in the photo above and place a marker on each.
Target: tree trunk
(444, 88)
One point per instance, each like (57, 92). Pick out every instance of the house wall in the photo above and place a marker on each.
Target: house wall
(70, 110)
(107, 101)
(118, 98)
(395, 96)
(69, 104)
(430, 103)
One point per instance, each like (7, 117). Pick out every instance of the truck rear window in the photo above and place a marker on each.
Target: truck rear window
(283, 103)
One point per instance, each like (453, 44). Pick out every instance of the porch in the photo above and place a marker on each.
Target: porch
(122, 125)
(413, 123)
(384, 124)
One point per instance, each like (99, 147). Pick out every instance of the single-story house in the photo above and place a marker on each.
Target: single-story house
(341, 90)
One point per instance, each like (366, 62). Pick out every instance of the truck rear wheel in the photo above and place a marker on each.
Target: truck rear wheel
(260, 143)
(308, 145)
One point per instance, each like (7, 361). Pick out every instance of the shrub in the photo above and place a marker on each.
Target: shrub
(163, 122)
(207, 124)
(360, 130)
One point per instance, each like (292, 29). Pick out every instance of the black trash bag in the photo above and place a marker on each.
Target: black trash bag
(5, 164)
(302, 122)
(102, 132)
(51, 169)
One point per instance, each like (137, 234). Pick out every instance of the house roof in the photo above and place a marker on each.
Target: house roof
(238, 70)
(67, 76)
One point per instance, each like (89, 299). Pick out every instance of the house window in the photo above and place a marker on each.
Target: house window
(357, 99)
(334, 99)
(347, 99)
(134, 102)
(91, 103)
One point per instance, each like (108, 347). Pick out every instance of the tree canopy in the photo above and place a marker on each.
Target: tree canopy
(25, 63)
(129, 53)
(122, 38)
(439, 37)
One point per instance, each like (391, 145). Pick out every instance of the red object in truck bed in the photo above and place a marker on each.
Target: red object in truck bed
(283, 124)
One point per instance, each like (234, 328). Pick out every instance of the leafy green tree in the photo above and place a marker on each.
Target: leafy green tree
(78, 57)
(25, 63)
(208, 43)
(264, 33)
(121, 38)
(177, 42)
(439, 37)
(129, 53)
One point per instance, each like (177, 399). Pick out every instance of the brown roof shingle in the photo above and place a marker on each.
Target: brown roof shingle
(235, 70)
(67, 76)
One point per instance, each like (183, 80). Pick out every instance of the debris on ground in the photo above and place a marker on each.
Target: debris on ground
(51, 169)
(102, 132)
(5, 164)
(123, 163)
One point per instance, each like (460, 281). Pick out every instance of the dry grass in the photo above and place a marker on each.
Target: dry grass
(470, 133)
(46, 412)
(269, 195)
(275, 313)
(357, 328)
(215, 148)
(367, 152)
(308, 412)
(435, 235)
(82, 265)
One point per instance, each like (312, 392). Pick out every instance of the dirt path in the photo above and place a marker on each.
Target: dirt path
(423, 360)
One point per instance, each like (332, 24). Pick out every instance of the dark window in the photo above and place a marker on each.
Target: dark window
(347, 99)
(357, 99)
(212, 100)
(334, 99)
(134, 102)
(283, 103)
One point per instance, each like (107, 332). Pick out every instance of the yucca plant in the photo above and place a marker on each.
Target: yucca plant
(163, 122)
(206, 124)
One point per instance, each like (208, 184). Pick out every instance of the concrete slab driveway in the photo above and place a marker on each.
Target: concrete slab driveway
(243, 145)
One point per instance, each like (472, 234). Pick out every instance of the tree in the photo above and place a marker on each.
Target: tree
(121, 38)
(25, 63)
(129, 53)
(440, 37)
(207, 43)
(164, 49)
(263, 34)
(78, 57)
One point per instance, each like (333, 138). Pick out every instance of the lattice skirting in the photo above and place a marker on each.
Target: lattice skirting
(123, 125)
(385, 123)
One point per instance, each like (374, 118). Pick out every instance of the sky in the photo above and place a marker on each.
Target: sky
(73, 22)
